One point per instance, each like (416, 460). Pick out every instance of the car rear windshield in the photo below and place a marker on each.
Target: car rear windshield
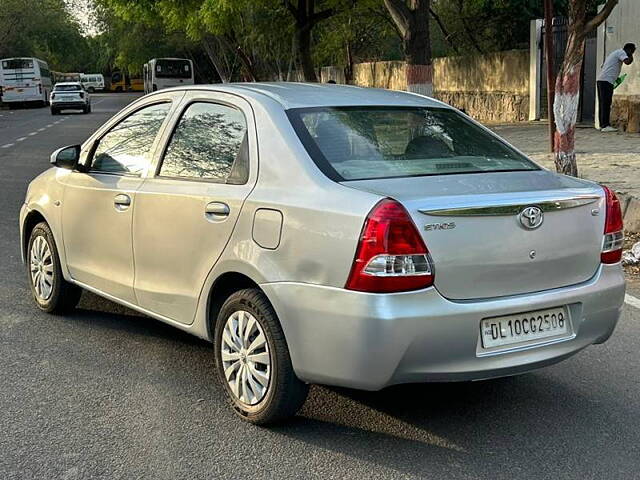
(67, 88)
(358, 143)
(173, 69)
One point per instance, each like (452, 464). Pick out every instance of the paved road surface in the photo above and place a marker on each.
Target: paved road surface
(106, 393)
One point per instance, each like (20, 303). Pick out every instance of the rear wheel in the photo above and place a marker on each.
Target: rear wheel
(54, 111)
(253, 362)
(51, 292)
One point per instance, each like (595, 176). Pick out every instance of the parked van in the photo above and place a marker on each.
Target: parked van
(92, 82)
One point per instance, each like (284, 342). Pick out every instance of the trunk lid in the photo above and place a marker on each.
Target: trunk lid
(479, 245)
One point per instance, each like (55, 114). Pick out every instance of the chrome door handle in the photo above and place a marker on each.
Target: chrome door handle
(122, 201)
(216, 210)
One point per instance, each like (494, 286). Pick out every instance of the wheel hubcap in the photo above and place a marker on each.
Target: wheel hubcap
(245, 357)
(41, 268)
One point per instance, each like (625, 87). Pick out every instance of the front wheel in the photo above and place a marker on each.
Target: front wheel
(51, 292)
(253, 362)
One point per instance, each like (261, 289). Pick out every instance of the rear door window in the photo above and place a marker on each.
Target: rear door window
(357, 143)
(209, 142)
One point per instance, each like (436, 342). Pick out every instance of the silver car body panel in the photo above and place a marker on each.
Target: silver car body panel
(374, 339)
(488, 255)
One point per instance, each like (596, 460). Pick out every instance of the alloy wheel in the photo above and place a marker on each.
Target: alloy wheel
(246, 358)
(41, 268)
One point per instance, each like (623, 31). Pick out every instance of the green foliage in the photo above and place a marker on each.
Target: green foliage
(48, 32)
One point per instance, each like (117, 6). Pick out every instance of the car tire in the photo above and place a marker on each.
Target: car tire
(251, 399)
(51, 292)
(54, 111)
(91, 90)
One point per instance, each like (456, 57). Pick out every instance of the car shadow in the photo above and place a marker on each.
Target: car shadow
(489, 429)
(530, 425)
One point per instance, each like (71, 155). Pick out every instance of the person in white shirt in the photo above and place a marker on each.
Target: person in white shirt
(608, 75)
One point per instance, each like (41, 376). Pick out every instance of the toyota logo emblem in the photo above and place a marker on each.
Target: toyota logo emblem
(531, 218)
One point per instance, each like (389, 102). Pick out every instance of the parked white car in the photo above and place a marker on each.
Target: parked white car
(327, 234)
(92, 82)
(69, 96)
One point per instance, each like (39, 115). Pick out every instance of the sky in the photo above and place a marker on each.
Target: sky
(81, 9)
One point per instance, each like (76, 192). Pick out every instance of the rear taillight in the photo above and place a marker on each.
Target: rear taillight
(613, 234)
(40, 89)
(391, 256)
(81, 94)
(53, 95)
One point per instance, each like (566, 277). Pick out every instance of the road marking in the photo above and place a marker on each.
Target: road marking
(42, 129)
(49, 126)
(8, 145)
(21, 139)
(631, 300)
(33, 133)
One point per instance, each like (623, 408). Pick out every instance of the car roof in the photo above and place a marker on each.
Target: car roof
(304, 95)
(67, 83)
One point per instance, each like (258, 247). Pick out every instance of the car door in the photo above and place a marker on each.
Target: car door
(97, 205)
(186, 212)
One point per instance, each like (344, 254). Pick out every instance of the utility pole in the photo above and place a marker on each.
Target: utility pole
(551, 84)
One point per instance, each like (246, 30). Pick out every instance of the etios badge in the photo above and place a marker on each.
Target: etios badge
(531, 218)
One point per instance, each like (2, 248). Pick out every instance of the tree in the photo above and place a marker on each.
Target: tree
(305, 18)
(411, 17)
(567, 97)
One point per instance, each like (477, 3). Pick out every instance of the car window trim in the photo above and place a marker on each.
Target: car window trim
(97, 141)
(163, 151)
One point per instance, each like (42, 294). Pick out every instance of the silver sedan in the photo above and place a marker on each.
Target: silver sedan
(327, 234)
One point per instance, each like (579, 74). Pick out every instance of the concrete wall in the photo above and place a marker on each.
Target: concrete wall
(623, 26)
(491, 88)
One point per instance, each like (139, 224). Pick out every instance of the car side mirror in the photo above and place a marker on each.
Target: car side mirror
(66, 157)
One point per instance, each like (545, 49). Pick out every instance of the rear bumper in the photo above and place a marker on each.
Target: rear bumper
(70, 105)
(370, 341)
(16, 98)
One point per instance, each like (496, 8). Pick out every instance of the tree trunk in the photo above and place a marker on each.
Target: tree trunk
(210, 49)
(567, 99)
(412, 21)
(229, 41)
(303, 37)
(306, 18)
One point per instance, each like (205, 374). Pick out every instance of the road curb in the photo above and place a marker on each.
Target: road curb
(630, 211)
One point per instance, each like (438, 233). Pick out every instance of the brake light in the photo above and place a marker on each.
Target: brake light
(81, 94)
(40, 89)
(53, 95)
(391, 256)
(613, 229)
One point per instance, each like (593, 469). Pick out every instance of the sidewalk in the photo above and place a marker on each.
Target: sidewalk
(612, 159)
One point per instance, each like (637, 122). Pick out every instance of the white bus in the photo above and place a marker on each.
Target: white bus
(25, 80)
(162, 73)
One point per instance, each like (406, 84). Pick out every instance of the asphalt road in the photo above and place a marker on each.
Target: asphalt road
(106, 393)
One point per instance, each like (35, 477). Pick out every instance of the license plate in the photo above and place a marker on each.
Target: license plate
(523, 328)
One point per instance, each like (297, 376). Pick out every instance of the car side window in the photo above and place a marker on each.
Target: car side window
(209, 142)
(126, 148)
